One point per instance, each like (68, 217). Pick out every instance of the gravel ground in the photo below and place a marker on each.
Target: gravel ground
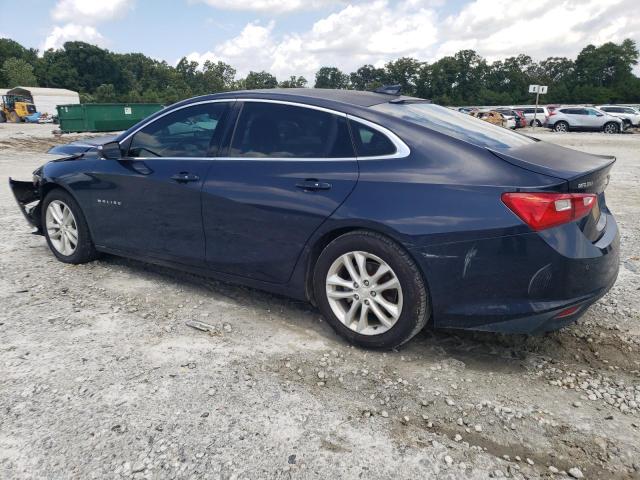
(102, 378)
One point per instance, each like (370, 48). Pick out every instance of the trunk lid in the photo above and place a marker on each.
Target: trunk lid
(582, 173)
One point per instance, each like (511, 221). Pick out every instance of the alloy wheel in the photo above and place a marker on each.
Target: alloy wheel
(610, 128)
(62, 228)
(364, 293)
(561, 127)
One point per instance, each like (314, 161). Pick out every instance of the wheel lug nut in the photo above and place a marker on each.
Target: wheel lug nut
(366, 283)
(355, 285)
(366, 302)
(356, 296)
(373, 294)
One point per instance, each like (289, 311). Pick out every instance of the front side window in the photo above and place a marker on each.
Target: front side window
(275, 130)
(455, 124)
(187, 132)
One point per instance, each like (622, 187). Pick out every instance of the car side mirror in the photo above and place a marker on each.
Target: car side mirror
(111, 151)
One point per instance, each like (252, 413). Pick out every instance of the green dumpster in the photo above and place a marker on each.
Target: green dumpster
(103, 117)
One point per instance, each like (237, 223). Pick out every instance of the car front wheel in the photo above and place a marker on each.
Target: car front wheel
(65, 229)
(611, 128)
(370, 290)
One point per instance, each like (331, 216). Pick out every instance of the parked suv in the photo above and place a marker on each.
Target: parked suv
(583, 118)
(532, 115)
(628, 113)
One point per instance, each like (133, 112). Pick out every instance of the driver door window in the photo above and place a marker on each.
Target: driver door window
(189, 132)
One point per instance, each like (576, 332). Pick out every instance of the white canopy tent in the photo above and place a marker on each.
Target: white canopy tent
(46, 99)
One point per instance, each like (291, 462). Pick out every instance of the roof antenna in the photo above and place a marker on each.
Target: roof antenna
(389, 89)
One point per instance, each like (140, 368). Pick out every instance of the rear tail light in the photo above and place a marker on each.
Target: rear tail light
(551, 114)
(545, 210)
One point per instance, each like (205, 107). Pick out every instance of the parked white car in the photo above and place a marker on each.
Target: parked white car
(532, 115)
(630, 113)
(564, 119)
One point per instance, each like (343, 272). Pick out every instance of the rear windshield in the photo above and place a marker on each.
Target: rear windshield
(456, 124)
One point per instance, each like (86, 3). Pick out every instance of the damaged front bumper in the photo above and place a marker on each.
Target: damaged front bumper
(27, 195)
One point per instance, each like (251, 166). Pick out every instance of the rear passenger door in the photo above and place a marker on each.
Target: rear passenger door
(287, 168)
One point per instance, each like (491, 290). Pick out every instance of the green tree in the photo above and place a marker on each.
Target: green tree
(219, 77)
(256, 80)
(55, 70)
(331, 77)
(16, 72)
(105, 93)
(404, 72)
(12, 49)
(367, 77)
(293, 82)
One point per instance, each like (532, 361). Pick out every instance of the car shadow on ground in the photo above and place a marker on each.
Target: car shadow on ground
(484, 351)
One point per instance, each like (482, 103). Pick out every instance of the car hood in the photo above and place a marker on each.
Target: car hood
(81, 146)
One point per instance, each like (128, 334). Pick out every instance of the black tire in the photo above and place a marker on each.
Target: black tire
(85, 250)
(561, 126)
(537, 123)
(3, 117)
(415, 310)
(611, 128)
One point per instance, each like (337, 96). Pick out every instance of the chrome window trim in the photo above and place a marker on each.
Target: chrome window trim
(402, 149)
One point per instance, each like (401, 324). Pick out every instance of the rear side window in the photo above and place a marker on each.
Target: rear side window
(275, 130)
(370, 142)
(455, 124)
(187, 132)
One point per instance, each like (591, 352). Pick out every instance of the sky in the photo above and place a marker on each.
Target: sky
(297, 37)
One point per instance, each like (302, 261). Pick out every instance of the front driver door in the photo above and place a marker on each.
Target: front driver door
(149, 202)
(288, 169)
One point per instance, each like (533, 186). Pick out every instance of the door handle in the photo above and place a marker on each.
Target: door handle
(312, 185)
(184, 177)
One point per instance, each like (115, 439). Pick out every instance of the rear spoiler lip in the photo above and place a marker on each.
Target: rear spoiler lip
(574, 181)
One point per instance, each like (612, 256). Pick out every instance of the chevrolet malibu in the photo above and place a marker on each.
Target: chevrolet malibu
(385, 211)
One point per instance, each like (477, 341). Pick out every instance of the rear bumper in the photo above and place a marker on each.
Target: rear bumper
(27, 196)
(520, 283)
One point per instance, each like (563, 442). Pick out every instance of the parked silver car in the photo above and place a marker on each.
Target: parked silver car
(629, 113)
(564, 119)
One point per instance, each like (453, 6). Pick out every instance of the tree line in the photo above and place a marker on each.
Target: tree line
(601, 74)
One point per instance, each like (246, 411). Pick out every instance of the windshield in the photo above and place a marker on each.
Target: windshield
(456, 124)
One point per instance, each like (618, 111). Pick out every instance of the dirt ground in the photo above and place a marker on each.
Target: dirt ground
(100, 377)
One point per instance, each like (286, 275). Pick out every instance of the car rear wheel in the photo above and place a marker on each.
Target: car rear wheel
(561, 126)
(611, 127)
(370, 290)
(66, 230)
(535, 122)
(3, 118)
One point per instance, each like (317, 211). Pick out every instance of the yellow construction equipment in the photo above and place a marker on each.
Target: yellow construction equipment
(15, 108)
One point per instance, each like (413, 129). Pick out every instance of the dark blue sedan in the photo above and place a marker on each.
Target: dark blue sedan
(385, 211)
